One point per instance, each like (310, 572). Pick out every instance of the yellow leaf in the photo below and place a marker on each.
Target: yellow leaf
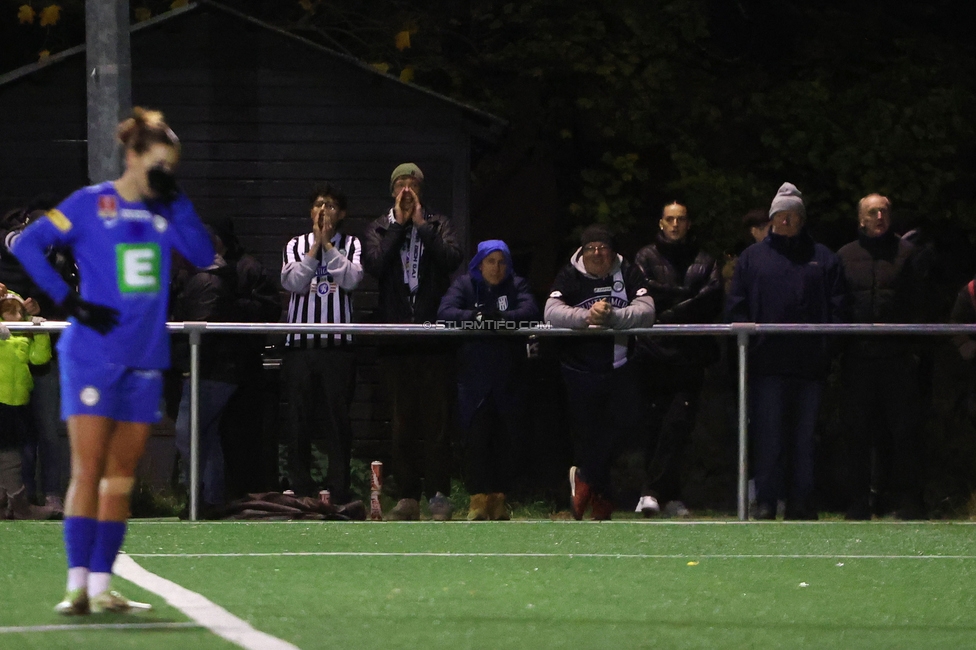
(143, 13)
(176, 4)
(50, 15)
(403, 40)
(43, 55)
(406, 75)
(25, 14)
(382, 67)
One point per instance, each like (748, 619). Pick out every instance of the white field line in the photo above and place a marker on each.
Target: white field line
(211, 616)
(97, 626)
(628, 556)
(554, 522)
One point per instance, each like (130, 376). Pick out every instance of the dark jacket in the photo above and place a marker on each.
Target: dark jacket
(381, 258)
(208, 295)
(686, 286)
(886, 286)
(788, 280)
(489, 366)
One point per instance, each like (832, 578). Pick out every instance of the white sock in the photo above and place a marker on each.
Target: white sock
(98, 582)
(77, 577)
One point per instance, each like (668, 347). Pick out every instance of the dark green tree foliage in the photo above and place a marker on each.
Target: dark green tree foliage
(637, 102)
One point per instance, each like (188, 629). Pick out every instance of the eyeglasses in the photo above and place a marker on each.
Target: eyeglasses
(595, 248)
(328, 205)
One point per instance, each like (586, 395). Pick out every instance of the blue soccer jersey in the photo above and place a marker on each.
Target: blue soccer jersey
(123, 250)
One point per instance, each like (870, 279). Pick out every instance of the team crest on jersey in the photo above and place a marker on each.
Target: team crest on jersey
(556, 294)
(108, 207)
(89, 396)
(641, 292)
(618, 286)
(325, 288)
(502, 303)
(324, 283)
(159, 223)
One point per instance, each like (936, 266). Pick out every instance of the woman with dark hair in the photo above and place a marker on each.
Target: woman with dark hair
(121, 234)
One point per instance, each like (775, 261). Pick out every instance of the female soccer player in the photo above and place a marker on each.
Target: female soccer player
(121, 234)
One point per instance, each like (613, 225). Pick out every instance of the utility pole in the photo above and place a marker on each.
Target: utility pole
(109, 71)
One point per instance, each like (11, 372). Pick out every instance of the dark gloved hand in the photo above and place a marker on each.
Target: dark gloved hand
(163, 184)
(100, 318)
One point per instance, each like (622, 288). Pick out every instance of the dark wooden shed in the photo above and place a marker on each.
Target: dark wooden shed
(262, 115)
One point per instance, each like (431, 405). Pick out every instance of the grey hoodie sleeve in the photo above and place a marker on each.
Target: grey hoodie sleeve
(559, 314)
(639, 313)
(296, 270)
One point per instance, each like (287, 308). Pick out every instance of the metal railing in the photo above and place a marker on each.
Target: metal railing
(741, 331)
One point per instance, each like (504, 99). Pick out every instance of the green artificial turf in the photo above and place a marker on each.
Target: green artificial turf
(616, 585)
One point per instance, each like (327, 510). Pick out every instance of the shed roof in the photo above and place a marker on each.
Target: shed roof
(481, 124)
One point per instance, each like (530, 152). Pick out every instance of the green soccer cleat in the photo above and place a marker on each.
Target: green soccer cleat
(115, 603)
(75, 603)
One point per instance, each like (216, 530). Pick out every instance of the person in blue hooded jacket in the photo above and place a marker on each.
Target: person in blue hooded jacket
(490, 297)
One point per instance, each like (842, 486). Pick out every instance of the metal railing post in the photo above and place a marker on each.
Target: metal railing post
(742, 339)
(194, 422)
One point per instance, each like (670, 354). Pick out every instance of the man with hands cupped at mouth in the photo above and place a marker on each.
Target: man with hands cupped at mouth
(320, 269)
(412, 251)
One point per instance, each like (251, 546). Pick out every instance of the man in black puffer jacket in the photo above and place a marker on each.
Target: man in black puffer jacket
(686, 286)
(881, 403)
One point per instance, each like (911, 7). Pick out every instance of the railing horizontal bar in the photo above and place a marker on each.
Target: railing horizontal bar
(440, 330)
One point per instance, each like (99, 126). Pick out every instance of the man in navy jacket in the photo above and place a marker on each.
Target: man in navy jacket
(787, 278)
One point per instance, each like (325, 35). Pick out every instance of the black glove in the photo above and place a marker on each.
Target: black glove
(100, 318)
(163, 184)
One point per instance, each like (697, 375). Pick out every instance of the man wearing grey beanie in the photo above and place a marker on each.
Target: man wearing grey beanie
(787, 278)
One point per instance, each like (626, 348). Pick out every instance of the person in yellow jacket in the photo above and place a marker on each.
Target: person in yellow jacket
(17, 351)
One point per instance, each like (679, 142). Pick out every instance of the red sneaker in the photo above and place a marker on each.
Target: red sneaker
(579, 492)
(602, 508)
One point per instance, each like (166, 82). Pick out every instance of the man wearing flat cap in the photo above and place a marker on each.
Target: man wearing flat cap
(786, 278)
(412, 252)
(598, 289)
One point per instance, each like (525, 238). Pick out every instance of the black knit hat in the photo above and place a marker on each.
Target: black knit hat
(597, 233)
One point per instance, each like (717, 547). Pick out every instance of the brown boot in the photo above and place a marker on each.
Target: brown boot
(405, 510)
(478, 509)
(496, 507)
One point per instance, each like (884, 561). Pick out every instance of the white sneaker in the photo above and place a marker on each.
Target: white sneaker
(648, 505)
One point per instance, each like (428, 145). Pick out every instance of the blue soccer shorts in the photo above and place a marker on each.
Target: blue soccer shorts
(110, 390)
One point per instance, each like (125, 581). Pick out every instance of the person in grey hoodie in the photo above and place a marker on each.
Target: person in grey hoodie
(598, 289)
